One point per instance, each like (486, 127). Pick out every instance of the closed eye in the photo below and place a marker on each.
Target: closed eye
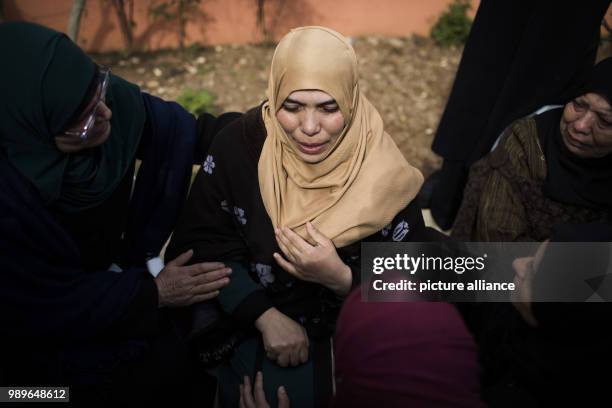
(330, 107)
(604, 123)
(291, 107)
(579, 106)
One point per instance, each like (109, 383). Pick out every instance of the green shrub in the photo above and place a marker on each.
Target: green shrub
(197, 102)
(453, 26)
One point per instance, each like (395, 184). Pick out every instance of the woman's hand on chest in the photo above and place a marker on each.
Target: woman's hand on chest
(318, 263)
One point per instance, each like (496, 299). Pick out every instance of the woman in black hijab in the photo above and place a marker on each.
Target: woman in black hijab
(555, 167)
(519, 56)
(80, 307)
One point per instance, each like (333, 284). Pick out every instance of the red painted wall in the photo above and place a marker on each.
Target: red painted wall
(232, 21)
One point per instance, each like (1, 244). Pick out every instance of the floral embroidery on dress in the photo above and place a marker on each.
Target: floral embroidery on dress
(385, 231)
(400, 231)
(209, 164)
(264, 273)
(239, 213)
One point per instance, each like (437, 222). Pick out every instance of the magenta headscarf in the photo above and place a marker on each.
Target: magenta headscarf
(403, 354)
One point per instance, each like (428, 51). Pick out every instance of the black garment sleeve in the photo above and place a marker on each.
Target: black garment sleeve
(208, 127)
(355, 266)
(145, 139)
(210, 227)
(141, 316)
(406, 226)
(207, 224)
(253, 305)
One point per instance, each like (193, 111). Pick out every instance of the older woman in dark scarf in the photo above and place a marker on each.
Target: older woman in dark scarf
(555, 167)
(80, 307)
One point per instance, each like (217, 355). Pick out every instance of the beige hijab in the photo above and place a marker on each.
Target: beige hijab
(363, 181)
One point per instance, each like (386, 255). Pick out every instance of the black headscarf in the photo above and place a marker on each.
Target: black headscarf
(44, 80)
(571, 179)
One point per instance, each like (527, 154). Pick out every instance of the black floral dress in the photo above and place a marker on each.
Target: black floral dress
(225, 220)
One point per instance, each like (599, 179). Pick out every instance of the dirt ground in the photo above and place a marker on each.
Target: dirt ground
(407, 79)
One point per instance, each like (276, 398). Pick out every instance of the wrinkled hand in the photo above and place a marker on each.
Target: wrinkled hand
(285, 340)
(521, 297)
(525, 269)
(320, 264)
(257, 397)
(180, 285)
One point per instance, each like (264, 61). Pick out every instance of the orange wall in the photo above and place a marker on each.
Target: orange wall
(233, 21)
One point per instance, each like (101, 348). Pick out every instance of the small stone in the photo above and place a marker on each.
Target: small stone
(372, 41)
(140, 71)
(157, 72)
(135, 60)
(191, 69)
(218, 48)
(161, 90)
(428, 131)
(201, 60)
(243, 61)
(396, 43)
(122, 63)
(242, 88)
(152, 84)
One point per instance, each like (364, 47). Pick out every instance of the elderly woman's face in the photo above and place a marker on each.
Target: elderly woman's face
(313, 122)
(586, 126)
(99, 132)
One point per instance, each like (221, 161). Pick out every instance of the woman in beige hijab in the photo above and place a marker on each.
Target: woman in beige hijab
(285, 197)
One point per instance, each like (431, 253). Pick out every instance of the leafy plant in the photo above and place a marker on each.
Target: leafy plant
(197, 102)
(453, 26)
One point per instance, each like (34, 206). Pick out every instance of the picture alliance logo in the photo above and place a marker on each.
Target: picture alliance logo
(411, 264)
